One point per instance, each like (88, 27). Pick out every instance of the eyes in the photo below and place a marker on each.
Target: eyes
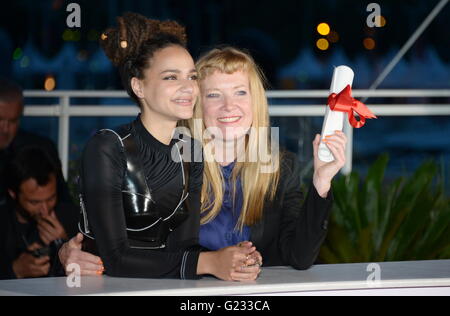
(193, 77)
(35, 203)
(213, 95)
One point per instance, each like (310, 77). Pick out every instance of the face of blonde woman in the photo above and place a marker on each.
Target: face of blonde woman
(227, 104)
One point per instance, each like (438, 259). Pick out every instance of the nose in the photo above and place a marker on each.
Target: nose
(189, 86)
(45, 209)
(228, 104)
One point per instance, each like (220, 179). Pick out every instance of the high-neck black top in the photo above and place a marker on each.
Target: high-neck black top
(103, 168)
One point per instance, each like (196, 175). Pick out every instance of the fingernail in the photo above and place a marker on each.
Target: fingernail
(99, 272)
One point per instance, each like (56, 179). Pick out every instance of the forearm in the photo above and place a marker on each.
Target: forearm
(311, 230)
(135, 263)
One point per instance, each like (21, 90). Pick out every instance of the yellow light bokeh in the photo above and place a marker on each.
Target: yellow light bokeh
(49, 84)
(322, 44)
(382, 21)
(369, 43)
(323, 29)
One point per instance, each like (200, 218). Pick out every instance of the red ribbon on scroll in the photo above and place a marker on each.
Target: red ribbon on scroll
(344, 102)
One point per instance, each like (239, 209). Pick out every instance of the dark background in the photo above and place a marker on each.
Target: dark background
(275, 32)
(36, 44)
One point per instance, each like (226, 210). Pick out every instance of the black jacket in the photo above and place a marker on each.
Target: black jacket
(293, 227)
(103, 172)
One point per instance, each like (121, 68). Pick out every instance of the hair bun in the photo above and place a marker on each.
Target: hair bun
(132, 31)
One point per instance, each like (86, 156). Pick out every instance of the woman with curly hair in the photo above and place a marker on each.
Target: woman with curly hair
(140, 206)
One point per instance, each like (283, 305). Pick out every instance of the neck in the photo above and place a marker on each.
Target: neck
(160, 128)
(226, 151)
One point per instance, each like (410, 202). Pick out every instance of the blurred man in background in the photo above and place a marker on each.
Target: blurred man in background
(13, 138)
(34, 223)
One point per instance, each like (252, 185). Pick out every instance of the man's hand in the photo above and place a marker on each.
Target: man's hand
(71, 252)
(28, 266)
(50, 229)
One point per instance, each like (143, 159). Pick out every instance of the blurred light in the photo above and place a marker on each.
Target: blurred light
(323, 29)
(382, 21)
(333, 37)
(322, 44)
(369, 43)
(50, 83)
(17, 53)
(25, 62)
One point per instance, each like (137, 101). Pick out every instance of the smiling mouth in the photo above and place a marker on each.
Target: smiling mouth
(183, 102)
(230, 119)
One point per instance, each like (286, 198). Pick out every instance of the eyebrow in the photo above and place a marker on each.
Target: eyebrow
(176, 71)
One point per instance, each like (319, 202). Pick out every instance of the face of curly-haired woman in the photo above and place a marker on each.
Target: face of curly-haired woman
(169, 89)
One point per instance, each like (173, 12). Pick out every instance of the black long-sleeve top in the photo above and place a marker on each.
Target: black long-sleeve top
(103, 169)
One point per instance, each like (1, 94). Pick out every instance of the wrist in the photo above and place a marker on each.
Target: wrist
(322, 186)
(205, 263)
(16, 270)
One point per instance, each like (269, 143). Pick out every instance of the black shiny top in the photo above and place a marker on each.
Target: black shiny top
(115, 218)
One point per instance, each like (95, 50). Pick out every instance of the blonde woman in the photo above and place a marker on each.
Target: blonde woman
(246, 199)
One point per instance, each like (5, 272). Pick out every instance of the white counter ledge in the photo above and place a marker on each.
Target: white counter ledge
(409, 277)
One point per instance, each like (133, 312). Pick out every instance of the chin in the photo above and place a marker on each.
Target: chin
(235, 131)
(184, 115)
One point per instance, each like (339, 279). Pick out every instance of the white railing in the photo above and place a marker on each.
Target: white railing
(64, 110)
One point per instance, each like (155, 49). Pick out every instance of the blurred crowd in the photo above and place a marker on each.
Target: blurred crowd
(37, 214)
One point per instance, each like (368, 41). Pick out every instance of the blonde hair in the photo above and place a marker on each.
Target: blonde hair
(256, 186)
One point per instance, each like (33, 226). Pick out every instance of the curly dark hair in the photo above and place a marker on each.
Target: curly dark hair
(131, 45)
